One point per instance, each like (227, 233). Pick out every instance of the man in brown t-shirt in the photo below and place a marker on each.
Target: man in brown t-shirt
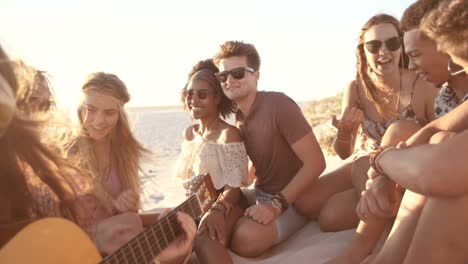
(281, 145)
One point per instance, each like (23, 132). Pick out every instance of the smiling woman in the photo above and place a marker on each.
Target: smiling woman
(105, 145)
(213, 146)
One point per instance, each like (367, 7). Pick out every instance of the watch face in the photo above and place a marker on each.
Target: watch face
(276, 204)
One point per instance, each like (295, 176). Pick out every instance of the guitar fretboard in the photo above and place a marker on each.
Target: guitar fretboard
(148, 244)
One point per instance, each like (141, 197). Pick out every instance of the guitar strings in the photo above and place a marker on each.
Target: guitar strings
(145, 247)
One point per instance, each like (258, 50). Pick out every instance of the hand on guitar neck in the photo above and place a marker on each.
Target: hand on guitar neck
(170, 239)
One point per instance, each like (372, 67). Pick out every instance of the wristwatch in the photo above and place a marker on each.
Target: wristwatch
(277, 204)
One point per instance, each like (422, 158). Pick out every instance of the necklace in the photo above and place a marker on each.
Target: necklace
(190, 173)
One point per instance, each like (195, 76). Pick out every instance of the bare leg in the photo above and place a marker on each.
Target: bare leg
(251, 239)
(363, 242)
(339, 213)
(398, 242)
(440, 236)
(212, 251)
(312, 201)
(368, 234)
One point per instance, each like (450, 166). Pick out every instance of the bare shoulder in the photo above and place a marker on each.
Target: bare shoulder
(350, 95)
(188, 133)
(351, 87)
(230, 134)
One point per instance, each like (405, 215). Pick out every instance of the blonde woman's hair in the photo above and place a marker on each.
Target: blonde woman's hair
(126, 151)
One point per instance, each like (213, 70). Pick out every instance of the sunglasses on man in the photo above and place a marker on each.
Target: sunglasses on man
(392, 44)
(455, 69)
(201, 94)
(237, 73)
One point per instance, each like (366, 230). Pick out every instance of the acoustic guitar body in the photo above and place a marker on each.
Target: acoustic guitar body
(50, 241)
(59, 241)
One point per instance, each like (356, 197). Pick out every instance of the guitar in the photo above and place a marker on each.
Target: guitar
(57, 240)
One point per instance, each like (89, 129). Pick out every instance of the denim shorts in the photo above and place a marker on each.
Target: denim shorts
(287, 223)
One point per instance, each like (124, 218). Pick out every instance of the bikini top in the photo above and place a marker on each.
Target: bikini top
(376, 130)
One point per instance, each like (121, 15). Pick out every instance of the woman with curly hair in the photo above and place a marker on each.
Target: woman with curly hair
(212, 146)
(448, 26)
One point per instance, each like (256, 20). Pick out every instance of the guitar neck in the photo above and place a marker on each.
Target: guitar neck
(148, 244)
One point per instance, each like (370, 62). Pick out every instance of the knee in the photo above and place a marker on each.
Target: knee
(398, 131)
(329, 220)
(359, 172)
(441, 136)
(243, 245)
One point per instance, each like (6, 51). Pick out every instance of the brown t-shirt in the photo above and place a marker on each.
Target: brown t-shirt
(274, 124)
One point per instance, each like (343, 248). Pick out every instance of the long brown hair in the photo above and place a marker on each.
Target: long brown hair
(24, 156)
(372, 91)
(126, 151)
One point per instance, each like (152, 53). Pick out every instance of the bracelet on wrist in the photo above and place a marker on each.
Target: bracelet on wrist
(281, 202)
(218, 207)
(341, 139)
(375, 157)
(225, 203)
(275, 203)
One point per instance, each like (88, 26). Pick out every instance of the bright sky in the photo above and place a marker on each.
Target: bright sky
(307, 47)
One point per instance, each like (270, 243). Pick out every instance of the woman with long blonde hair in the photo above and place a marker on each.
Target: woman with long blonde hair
(37, 182)
(106, 146)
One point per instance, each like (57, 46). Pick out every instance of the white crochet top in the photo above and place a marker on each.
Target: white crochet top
(226, 163)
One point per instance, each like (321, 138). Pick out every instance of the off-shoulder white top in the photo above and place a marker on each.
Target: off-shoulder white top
(226, 163)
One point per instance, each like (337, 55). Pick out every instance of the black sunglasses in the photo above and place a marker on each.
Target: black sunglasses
(237, 73)
(455, 69)
(392, 44)
(201, 94)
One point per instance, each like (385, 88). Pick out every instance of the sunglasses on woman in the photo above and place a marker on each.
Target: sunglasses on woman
(392, 44)
(201, 94)
(455, 69)
(237, 73)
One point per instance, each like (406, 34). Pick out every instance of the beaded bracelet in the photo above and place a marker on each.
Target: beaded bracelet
(375, 156)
